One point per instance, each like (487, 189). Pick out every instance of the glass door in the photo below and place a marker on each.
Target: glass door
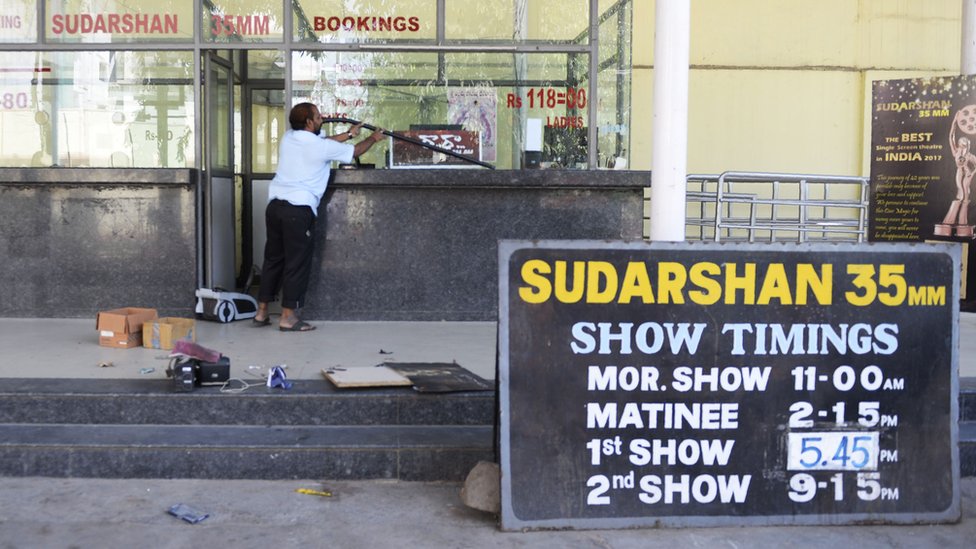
(220, 241)
(264, 120)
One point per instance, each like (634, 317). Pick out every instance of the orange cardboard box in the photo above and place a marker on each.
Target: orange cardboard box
(122, 328)
(162, 333)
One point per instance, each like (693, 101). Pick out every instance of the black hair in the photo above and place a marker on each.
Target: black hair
(300, 114)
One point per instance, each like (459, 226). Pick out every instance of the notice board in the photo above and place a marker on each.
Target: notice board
(687, 384)
(923, 159)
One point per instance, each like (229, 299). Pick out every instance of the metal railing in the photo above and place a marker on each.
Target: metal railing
(776, 207)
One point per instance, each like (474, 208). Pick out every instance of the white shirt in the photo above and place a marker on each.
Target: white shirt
(304, 165)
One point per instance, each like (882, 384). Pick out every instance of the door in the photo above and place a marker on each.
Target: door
(265, 116)
(219, 197)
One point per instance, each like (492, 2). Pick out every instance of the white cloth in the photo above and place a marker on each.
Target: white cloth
(304, 165)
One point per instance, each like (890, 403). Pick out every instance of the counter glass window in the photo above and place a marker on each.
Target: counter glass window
(453, 99)
(118, 21)
(18, 21)
(341, 21)
(235, 21)
(116, 109)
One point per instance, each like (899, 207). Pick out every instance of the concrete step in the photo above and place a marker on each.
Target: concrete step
(967, 399)
(145, 429)
(408, 453)
(967, 448)
(967, 427)
(308, 402)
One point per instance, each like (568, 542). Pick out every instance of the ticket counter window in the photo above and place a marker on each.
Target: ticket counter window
(492, 94)
(97, 109)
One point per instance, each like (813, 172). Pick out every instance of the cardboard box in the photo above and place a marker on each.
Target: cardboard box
(162, 333)
(122, 328)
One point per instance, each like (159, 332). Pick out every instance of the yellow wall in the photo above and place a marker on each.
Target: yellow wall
(785, 85)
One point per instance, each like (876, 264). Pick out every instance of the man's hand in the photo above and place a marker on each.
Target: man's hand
(354, 131)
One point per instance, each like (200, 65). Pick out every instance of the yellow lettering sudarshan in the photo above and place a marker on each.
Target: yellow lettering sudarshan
(775, 285)
(538, 288)
(574, 294)
(671, 280)
(636, 283)
(701, 275)
(597, 272)
(746, 283)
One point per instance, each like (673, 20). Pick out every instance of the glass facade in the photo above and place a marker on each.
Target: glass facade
(97, 109)
(122, 83)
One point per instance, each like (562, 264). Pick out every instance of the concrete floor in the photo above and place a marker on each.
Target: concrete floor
(68, 348)
(104, 513)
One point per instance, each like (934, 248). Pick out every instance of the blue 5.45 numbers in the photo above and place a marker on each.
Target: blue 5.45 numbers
(833, 451)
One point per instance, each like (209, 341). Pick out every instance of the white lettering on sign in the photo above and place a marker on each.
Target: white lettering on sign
(628, 378)
(686, 452)
(662, 415)
(812, 339)
(726, 379)
(701, 488)
(685, 378)
(649, 337)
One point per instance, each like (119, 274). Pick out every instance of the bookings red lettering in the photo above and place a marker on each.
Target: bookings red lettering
(367, 24)
(115, 23)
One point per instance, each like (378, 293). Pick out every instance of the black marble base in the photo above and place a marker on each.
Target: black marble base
(77, 241)
(422, 244)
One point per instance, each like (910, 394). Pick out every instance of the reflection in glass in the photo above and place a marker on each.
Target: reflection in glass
(97, 109)
(18, 21)
(613, 115)
(549, 21)
(268, 123)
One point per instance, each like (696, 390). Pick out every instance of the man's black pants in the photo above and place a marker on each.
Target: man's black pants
(287, 253)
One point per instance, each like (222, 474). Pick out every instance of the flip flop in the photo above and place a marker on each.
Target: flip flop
(300, 326)
(261, 323)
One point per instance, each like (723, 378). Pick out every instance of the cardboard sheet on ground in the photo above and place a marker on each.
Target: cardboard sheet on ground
(380, 376)
(441, 377)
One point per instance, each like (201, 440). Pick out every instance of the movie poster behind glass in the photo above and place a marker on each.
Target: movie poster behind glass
(923, 159)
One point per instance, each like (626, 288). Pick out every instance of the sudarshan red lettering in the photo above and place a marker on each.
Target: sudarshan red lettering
(115, 23)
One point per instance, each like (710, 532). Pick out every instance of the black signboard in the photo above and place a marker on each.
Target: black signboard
(673, 384)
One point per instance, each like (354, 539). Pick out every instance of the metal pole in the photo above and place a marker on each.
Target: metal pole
(968, 57)
(670, 153)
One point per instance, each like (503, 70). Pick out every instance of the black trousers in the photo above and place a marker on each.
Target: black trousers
(287, 253)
